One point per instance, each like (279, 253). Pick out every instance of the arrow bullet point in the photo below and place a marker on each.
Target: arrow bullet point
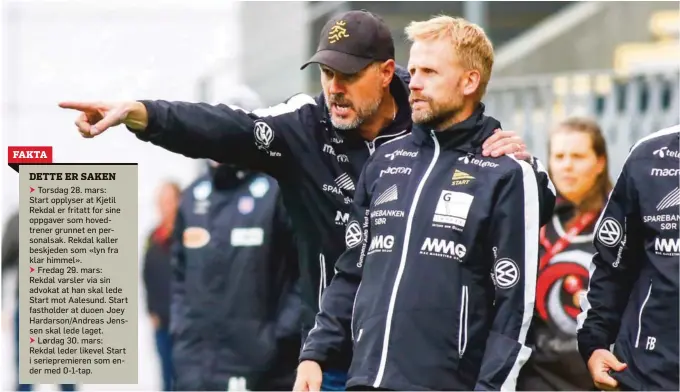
(32, 189)
(32, 269)
(32, 340)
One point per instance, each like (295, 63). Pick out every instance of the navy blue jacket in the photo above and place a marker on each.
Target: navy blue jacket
(632, 300)
(235, 308)
(157, 274)
(316, 165)
(436, 287)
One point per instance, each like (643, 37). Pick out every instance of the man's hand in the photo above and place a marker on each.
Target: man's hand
(505, 142)
(309, 377)
(599, 365)
(97, 117)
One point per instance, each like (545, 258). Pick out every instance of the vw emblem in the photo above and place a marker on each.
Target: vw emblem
(263, 135)
(610, 232)
(353, 235)
(506, 273)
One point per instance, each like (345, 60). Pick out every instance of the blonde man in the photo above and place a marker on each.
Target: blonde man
(436, 287)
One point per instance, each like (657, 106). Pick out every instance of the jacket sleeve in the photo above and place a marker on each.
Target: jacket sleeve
(613, 269)
(263, 140)
(546, 191)
(178, 263)
(331, 334)
(513, 240)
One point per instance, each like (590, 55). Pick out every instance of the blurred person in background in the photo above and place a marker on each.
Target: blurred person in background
(314, 146)
(10, 260)
(157, 273)
(578, 166)
(632, 300)
(236, 308)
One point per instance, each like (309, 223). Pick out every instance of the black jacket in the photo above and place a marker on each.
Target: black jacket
(438, 234)
(157, 274)
(235, 308)
(632, 299)
(315, 164)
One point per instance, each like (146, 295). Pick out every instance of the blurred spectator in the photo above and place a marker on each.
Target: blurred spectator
(158, 274)
(578, 166)
(235, 306)
(10, 259)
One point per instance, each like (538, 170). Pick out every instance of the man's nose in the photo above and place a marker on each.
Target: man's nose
(416, 82)
(336, 86)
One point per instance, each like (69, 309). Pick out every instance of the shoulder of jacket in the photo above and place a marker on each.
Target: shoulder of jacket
(652, 141)
(509, 165)
(295, 103)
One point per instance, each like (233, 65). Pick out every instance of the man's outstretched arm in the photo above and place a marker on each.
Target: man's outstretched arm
(263, 139)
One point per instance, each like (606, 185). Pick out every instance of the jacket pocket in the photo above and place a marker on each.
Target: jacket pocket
(463, 322)
(353, 323)
(640, 314)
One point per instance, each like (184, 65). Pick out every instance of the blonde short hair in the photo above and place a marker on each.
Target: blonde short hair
(469, 41)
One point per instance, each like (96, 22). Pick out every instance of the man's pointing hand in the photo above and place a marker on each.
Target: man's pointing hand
(97, 117)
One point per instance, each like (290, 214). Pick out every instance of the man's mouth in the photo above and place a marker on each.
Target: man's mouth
(418, 102)
(341, 109)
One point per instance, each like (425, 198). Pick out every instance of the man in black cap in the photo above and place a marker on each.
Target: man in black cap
(314, 146)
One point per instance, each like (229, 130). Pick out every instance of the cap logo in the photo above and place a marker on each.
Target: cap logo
(337, 32)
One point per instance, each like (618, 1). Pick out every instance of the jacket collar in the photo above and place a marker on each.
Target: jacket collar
(467, 135)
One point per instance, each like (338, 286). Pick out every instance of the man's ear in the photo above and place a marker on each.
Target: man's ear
(387, 72)
(471, 80)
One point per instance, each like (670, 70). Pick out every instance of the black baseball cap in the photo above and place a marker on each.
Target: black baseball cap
(351, 41)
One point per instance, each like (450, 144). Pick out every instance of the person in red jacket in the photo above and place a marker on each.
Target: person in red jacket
(578, 166)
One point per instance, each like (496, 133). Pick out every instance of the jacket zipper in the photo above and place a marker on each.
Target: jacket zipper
(322, 277)
(463, 322)
(371, 144)
(402, 263)
(353, 310)
(642, 308)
